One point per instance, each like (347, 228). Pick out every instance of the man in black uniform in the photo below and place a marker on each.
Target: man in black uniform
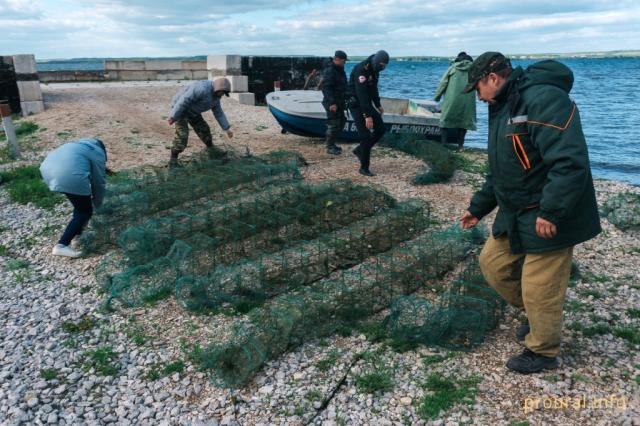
(363, 90)
(334, 87)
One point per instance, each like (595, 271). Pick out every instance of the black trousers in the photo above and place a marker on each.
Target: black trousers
(453, 136)
(82, 211)
(368, 138)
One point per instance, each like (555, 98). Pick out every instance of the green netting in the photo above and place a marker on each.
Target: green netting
(243, 216)
(459, 319)
(255, 280)
(441, 160)
(319, 309)
(623, 210)
(318, 209)
(131, 200)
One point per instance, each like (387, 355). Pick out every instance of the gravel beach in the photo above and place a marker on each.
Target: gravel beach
(64, 359)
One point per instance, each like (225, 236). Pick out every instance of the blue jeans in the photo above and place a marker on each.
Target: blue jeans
(82, 211)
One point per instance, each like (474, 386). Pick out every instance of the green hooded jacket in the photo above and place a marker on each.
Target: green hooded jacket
(458, 109)
(538, 162)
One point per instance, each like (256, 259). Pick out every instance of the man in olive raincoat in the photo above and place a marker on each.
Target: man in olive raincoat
(540, 180)
(458, 109)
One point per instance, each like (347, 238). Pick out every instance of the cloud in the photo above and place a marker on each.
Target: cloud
(72, 28)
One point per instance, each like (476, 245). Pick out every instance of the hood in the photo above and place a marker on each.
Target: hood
(463, 65)
(548, 72)
(95, 144)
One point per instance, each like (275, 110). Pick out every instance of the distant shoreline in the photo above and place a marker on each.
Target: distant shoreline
(575, 55)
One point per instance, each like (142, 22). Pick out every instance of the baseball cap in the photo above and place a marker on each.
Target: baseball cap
(484, 65)
(340, 55)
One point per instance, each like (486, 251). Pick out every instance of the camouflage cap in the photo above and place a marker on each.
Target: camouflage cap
(484, 65)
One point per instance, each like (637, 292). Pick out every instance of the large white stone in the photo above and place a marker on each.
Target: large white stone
(224, 64)
(24, 64)
(33, 107)
(246, 98)
(29, 91)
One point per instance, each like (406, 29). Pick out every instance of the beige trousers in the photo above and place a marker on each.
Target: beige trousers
(538, 285)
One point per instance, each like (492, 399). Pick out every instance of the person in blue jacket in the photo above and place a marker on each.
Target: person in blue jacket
(78, 170)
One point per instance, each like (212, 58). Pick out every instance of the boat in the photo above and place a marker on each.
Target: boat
(300, 112)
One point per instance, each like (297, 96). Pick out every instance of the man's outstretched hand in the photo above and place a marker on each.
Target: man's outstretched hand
(468, 220)
(171, 121)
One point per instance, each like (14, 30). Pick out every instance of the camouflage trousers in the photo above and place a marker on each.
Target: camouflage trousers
(335, 124)
(182, 132)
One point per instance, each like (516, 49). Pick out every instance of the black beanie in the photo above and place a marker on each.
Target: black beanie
(380, 57)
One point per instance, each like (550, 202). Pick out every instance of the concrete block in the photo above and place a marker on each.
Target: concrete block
(194, 65)
(174, 75)
(29, 108)
(239, 83)
(137, 75)
(162, 65)
(224, 64)
(29, 91)
(245, 98)
(24, 64)
(124, 65)
(199, 75)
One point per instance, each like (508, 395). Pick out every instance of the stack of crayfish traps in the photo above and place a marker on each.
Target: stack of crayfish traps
(297, 259)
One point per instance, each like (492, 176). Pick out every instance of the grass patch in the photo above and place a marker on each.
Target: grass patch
(628, 333)
(580, 378)
(469, 165)
(596, 330)
(83, 324)
(314, 395)
(326, 363)
(375, 331)
(137, 336)
(375, 381)
(576, 306)
(159, 370)
(16, 264)
(101, 360)
(3, 250)
(445, 392)
(591, 292)
(25, 185)
(48, 373)
(26, 128)
(633, 313)
(435, 359)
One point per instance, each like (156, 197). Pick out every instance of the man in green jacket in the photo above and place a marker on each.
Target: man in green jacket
(458, 109)
(540, 180)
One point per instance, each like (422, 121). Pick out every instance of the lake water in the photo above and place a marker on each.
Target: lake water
(607, 92)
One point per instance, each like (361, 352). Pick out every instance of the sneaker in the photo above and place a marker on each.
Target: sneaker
(66, 251)
(530, 362)
(366, 172)
(334, 150)
(522, 331)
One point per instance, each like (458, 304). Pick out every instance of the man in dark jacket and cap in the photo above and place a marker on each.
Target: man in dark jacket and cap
(365, 107)
(334, 87)
(540, 180)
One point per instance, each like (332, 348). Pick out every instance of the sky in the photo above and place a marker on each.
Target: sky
(162, 28)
